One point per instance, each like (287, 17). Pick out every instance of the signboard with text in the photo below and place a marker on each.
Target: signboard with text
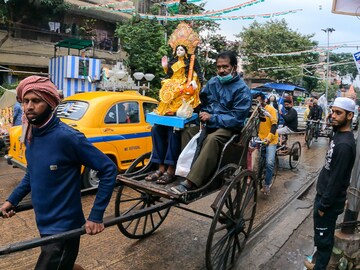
(357, 60)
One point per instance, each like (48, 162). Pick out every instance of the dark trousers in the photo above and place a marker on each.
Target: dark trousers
(60, 255)
(166, 145)
(206, 163)
(324, 229)
(187, 134)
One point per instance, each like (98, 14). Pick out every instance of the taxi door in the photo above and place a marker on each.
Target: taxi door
(124, 129)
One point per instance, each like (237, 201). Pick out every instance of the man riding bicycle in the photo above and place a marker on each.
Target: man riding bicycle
(315, 114)
(267, 133)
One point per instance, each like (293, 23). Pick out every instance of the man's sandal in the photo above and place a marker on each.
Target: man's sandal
(166, 178)
(154, 176)
(182, 188)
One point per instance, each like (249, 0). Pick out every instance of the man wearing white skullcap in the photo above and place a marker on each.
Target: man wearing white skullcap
(333, 181)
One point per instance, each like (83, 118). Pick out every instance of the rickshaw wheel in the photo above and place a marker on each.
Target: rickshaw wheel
(139, 163)
(136, 200)
(309, 137)
(295, 154)
(232, 222)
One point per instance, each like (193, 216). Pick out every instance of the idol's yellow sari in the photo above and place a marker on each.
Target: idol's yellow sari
(173, 90)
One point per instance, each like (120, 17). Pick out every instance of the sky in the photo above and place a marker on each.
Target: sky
(315, 15)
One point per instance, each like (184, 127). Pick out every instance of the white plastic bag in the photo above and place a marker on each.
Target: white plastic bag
(186, 157)
(185, 110)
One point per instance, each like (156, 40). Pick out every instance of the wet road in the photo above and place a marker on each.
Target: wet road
(178, 244)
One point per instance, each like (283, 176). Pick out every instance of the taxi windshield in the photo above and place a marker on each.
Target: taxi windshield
(73, 110)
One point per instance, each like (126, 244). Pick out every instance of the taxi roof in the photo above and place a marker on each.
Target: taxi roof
(126, 95)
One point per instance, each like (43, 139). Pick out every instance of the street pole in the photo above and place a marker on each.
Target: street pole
(328, 31)
(165, 21)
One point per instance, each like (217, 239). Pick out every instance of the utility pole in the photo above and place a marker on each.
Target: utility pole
(328, 31)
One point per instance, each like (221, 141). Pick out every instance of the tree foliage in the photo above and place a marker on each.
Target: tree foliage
(145, 41)
(210, 47)
(31, 10)
(332, 89)
(270, 38)
(345, 65)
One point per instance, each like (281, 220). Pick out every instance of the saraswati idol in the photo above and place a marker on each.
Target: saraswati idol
(184, 78)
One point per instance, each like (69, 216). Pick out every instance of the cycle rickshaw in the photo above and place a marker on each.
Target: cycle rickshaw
(142, 206)
(311, 129)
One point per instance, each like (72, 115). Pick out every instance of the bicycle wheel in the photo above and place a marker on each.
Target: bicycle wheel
(275, 171)
(294, 155)
(262, 172)
(309, 137)
(260, 175)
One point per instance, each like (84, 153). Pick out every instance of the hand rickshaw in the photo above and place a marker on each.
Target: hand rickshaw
(234, 207)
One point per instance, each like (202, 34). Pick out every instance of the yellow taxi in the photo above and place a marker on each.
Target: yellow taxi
(113, 121)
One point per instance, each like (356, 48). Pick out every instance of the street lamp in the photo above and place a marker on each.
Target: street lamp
(328, 31)
(149, 77)
(138, 76)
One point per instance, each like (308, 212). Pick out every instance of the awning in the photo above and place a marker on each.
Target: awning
(74, 43)
(283, 87)
(8, 99)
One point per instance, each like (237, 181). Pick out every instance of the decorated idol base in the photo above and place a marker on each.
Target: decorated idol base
(171, 121)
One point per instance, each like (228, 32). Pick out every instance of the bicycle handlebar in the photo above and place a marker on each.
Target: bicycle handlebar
(313, 121)
(260, 142)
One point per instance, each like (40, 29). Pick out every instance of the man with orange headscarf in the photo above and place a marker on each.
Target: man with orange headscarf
(55, 153)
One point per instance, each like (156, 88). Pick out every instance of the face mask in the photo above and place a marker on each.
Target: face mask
(287, 108)
(42, 117)
(226, 78)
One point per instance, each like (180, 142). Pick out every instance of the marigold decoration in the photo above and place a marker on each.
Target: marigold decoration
(186, 36)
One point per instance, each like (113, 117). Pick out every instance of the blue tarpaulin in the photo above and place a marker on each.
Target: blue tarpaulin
(282, 86)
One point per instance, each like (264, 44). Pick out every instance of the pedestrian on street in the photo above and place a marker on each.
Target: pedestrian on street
(55, 153)
(333, 181)
(18, 112)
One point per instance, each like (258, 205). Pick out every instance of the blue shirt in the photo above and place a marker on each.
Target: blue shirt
(55, 155)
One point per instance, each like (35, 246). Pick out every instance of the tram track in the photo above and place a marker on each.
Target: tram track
(272, 217)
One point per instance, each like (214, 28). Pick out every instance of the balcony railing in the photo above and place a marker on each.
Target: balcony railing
(32, 33)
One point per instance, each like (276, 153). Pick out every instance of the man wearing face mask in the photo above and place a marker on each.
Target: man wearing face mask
(290, 119)
(55, 153)
(225, 104)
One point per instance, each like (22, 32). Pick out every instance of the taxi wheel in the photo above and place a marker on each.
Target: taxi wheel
(89, 178)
